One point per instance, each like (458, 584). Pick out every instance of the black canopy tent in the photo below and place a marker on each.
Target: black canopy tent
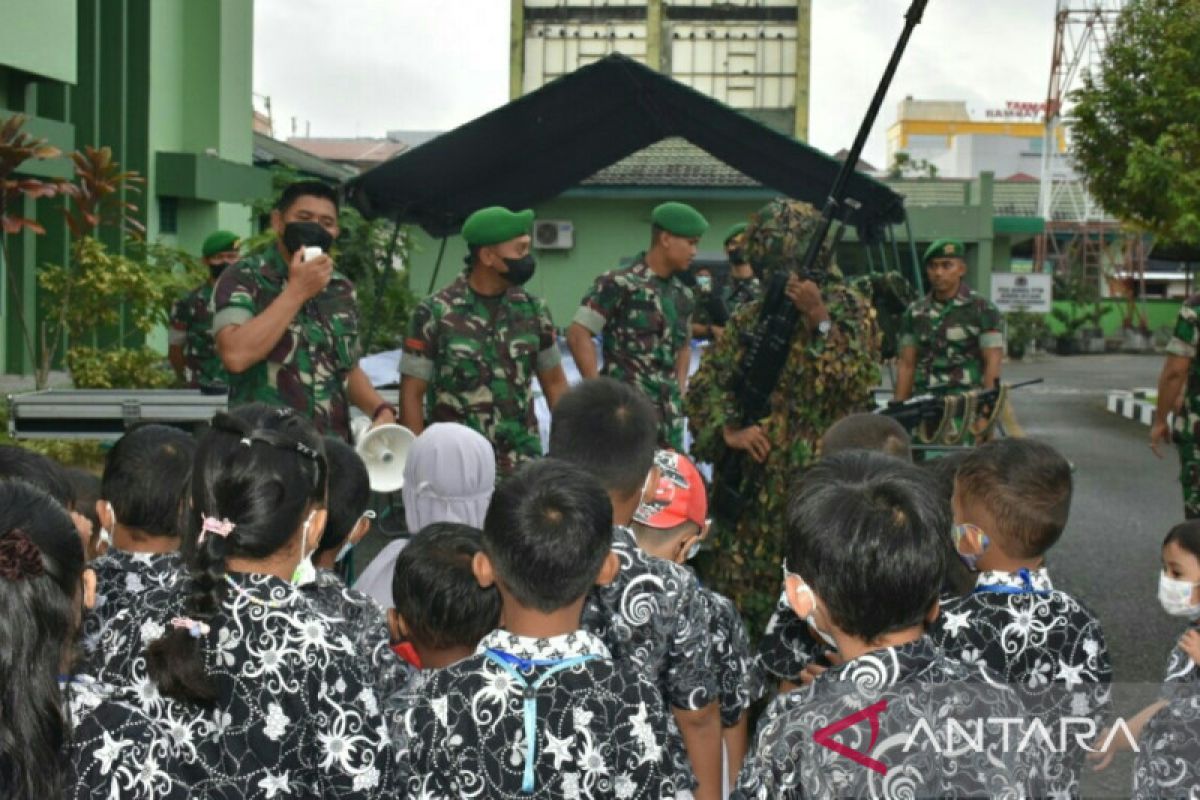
(540, 145)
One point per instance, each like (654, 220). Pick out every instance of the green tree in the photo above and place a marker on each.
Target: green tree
(1135, 137)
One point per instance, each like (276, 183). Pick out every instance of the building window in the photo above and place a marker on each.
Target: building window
(168, 215)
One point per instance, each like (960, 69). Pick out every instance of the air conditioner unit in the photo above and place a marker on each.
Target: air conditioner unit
(553, 234)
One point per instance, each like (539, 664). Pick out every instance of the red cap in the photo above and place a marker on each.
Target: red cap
(679, 496)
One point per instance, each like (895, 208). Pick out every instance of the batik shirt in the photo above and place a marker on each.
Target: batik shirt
(599, 731)
(910, 690)
(121, 577)
(191, 329)
(1043, 643)
(654, 621)
(950, 339)
(307, 368)
(116, 751)
(737, 677)
(358, 616)
(479, 356)
(1168, 759)
(645, 322)
(295, 716)
(787, 646)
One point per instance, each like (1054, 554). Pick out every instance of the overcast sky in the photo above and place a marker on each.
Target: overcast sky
(363, 67)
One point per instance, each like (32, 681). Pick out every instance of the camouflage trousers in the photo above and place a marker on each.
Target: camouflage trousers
(1189, 474)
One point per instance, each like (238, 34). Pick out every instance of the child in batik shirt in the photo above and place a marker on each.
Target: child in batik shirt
(670, 524)
(540, 710)
(141, 512)
(865, 560)
(264, 694)
(1010, 503)
(1168, 731)
(360, 617)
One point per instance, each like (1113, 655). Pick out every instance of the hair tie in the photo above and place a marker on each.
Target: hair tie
(218, 527)
(195, 628)
(20, 558)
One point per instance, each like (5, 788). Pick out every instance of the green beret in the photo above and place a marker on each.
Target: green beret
(219, 242)
(734, 231)
(945, 248)
(679, 219)
(496, 224)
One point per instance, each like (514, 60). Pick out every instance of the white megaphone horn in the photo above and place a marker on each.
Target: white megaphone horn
(384, 450)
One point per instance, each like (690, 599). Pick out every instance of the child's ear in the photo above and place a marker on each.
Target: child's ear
(800, 600)
(685, 546)
(608, 570)
(481, 565)
(105, 514)
(316, 528)
(932, 614)
(359, 530)
(395, 625)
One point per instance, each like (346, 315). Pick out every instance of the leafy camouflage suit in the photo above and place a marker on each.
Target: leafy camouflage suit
(191, 329)
(824, 379)
(307, 368)
(1184, 343)
(646, 321)
(950, 339)
(479, 356)
(742, 291)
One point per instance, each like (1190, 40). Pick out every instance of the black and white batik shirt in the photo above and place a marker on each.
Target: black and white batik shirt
(787, 645)
(296, 714)
(1168, 759)
(360, 618)
(653, 619)
(909, 691)
(737, 676)
(1045, 644)
(120, 578)
(593, 730)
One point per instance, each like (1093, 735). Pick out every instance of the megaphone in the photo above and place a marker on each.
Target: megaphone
(384, 450)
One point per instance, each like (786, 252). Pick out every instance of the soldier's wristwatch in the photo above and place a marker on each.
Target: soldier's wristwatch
(824, 327)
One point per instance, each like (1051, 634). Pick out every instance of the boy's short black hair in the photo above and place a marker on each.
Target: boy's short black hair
(869, 534)
(1026, 486)
(1186, 535)
(41, 471)
(349, 493)
(146, 478)
(609, 429)
(434, 588)
(85, 489)
(547, 532)
(876, 432)
(295, 191)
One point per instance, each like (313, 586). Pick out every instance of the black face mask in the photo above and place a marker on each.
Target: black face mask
(737, 256)
(520, 270)
(215, 270)
(306, 234)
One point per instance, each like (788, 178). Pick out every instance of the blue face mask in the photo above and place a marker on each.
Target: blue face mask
(960, 535)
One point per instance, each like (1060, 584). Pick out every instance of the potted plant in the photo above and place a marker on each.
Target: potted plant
(1024, 329)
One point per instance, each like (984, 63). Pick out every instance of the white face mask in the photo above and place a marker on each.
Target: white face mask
(812, 620)
(1176, 597)
(105, 535)
(305, 572)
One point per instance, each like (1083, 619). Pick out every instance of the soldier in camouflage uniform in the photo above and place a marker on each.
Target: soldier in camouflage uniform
(829, 374)
(644, 314)
(286, 327)
(1179, 394)
(950, 341)
(191, 350)
(744, 285)
(474, 348)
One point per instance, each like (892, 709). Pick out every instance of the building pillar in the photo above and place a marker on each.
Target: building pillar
(516, 50)
(803, 66)
(654, 34)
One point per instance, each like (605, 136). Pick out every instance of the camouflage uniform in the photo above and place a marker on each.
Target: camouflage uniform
(742, 291)
(950, 339)
(645, 321)
(1187, 423)
(825, 379)
(191, 329)
(479, 356)
(307, 368)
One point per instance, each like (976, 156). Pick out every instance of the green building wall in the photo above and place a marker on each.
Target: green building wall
(167, 85)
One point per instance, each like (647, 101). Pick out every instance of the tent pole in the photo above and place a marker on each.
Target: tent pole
(916, 263)
(437, 267)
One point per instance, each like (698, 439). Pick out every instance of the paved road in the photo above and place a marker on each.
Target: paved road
(1125, 502)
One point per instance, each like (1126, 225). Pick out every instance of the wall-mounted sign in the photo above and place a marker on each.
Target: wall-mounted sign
(1012, 291)
(1018, 109)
